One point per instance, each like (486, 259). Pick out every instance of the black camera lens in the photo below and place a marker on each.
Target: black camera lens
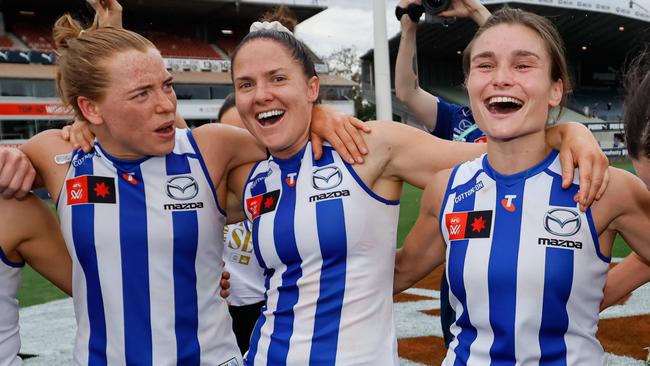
(435, 6)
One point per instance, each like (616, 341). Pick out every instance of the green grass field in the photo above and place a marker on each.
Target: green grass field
(37, 290)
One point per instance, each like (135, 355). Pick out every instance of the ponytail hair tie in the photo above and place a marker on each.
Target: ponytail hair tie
(271, 26)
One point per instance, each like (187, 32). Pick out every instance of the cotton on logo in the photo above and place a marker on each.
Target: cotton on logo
(507, 202)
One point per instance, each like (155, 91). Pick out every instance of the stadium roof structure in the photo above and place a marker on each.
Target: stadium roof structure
(590, 28)
(244, 11)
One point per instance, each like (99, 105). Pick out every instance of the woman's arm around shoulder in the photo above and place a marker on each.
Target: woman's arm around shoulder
(424, 247)
(414, 156)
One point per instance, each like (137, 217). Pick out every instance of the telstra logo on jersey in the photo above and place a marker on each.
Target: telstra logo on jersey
(326, 178)
(182, 188)
(506, 202)
(291, 179)
(562, 221)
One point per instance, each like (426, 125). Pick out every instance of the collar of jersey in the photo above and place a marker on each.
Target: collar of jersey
(122, 163)
(290, 163)
(523, 175)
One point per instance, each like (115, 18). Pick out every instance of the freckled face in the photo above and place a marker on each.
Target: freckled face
(139, 106)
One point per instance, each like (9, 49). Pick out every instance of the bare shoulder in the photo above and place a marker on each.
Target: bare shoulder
(231, 145)
(46, 144)
(624, 192)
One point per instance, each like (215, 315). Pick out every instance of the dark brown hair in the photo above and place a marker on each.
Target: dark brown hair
(637, 105)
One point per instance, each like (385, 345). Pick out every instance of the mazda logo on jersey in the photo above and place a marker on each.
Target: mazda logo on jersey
(562, 221)
(182, 188)
(326, 178)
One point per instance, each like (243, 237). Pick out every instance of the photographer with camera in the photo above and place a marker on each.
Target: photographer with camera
(442, 119)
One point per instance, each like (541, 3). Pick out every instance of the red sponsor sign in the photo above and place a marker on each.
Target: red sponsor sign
(34, 109)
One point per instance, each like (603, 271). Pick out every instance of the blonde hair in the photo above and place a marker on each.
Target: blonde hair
(80, 54)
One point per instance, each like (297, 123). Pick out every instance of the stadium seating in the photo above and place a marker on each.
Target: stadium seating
(6, 43)
(598, 100)
(181, 46)
(228, 44)
(37, 37)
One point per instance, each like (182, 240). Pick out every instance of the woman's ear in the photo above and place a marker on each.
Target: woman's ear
(557, 92)
(90, 110)
(313, 88)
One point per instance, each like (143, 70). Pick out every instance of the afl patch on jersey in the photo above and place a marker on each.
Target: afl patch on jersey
(469, 225)
(263, 203)
(90, 189)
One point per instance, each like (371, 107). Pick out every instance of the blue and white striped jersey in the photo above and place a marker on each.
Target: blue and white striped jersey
(9, 329)
(327, 244)
(146, 238)
(524, 266)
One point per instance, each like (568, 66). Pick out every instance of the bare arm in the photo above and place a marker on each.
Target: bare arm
(407, 87)
(415, 156)
(30, 230)
(629, 207)
(236, 182)
(624, 278)
(578, 147)
(424, 247)
(45, 250)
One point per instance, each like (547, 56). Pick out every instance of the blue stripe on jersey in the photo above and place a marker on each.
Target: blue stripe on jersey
(186, 237)
(502, 270)
(135, 270)
(455, 276)
(284, 238)
(83, 236)
(558, 278)
(330, 223)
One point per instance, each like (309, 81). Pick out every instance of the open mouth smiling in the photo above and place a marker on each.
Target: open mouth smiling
(503, 105)
(269, 118)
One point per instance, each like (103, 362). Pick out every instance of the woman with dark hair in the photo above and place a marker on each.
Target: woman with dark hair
(526, 268)
(634, 269)
(140, 211)
(323, 231)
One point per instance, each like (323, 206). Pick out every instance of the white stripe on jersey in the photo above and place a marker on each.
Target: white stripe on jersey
(9, 330)
(328, 244)
(146, 279)
(510, 305)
